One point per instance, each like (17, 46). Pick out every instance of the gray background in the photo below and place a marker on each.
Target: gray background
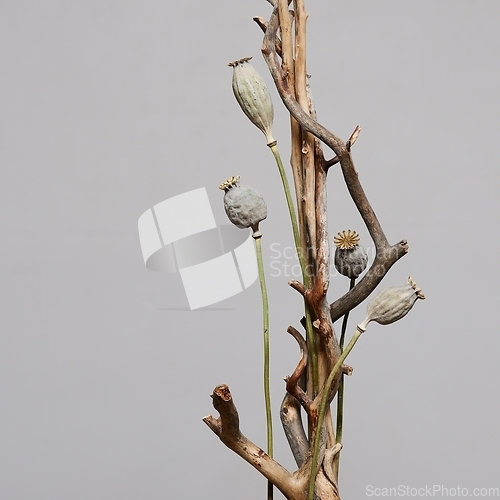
(109, 107)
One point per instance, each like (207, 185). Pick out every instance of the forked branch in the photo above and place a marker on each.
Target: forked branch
(227, 427)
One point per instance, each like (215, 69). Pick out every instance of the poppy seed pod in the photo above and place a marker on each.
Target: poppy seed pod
(392, 304)
(253, 96)
(350, 259)
(244, 206)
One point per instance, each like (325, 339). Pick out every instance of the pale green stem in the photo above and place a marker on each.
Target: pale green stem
(265, 314)
(346, 316)
(291, 208)
(311, 341)
(340, 393)
(322, 409)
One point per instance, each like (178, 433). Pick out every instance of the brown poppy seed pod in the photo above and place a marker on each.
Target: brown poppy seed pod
(253, 96)
(350, 259)
(244, 206)
(392, 304)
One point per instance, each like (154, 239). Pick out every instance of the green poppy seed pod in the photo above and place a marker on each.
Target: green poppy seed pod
(244, 206)
(350, 259)
(253, 96)
(392, 304)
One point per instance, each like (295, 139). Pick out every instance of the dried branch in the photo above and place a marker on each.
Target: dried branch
(331, 162)
(349, 144)
(285, 90)
(228, 429)
(293, 386)
(293, 427)
(328, 463)
(262, 23)
(302, 141)
(347, 370)
(317, 295)
(337, 145)
(297, 285)
(285, 25)
(354, 136)
(283, 19)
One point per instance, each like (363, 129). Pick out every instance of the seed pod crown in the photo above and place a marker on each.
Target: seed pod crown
(350, 258)
(253, 96)
(244, 206)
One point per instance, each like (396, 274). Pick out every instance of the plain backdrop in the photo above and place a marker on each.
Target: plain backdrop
(109, 107)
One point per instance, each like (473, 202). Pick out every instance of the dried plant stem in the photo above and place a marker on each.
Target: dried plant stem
(291, 209)
(303, 147)
(340, 393)
(322, 409)
(346, 317)
(302, 141)
(257, 235)
(311, 340)
(313, 349)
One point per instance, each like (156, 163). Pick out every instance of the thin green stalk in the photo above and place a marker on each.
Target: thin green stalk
(311, 341)
(346, 316)
(340, 421)
(291, 208)
(340, 393)
(322, 409)
(265, 313)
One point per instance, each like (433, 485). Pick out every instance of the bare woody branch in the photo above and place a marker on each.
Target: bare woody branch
(293, 386)
(386, 255)
(290, 414)
(263, 26)
(227, 427)
(308, 123)
(293, 427)
(350, 142)
(303, 141)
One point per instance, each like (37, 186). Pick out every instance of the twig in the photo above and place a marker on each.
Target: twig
(349, 144)
(262, 23)
(347, 370)
(353, 137)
